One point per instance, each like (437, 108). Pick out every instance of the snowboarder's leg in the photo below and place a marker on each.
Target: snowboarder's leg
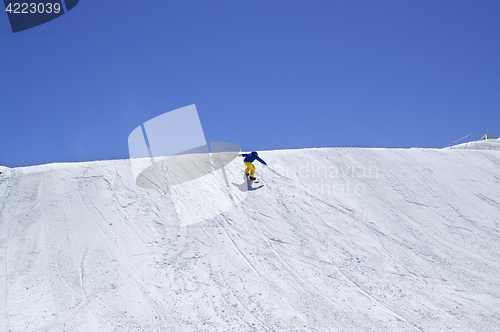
(250, 168)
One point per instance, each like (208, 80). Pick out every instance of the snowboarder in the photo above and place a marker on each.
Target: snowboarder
(249, 159)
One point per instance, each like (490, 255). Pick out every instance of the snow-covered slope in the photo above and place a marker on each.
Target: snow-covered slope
(381, 239)
(488, 144)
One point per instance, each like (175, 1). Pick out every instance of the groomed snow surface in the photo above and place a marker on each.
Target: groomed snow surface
(337, 239)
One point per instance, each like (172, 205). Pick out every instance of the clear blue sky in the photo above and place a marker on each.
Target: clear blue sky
(263, 74)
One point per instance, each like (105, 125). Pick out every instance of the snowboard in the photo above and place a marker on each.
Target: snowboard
(248, 179)
(250, 183)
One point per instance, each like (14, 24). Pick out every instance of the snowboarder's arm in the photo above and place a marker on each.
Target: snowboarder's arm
(262, 161)
(244, 154)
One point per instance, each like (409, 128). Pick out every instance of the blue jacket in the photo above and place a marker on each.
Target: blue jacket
(251, 157)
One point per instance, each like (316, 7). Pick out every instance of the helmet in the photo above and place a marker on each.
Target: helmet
(255, 153)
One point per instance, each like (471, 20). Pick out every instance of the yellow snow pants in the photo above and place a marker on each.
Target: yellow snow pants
(250, 168)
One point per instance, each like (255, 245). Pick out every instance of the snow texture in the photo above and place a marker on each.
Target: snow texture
(335, 239)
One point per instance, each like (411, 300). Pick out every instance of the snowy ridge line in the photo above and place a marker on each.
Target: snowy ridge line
(487, 144)
(415, 241)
